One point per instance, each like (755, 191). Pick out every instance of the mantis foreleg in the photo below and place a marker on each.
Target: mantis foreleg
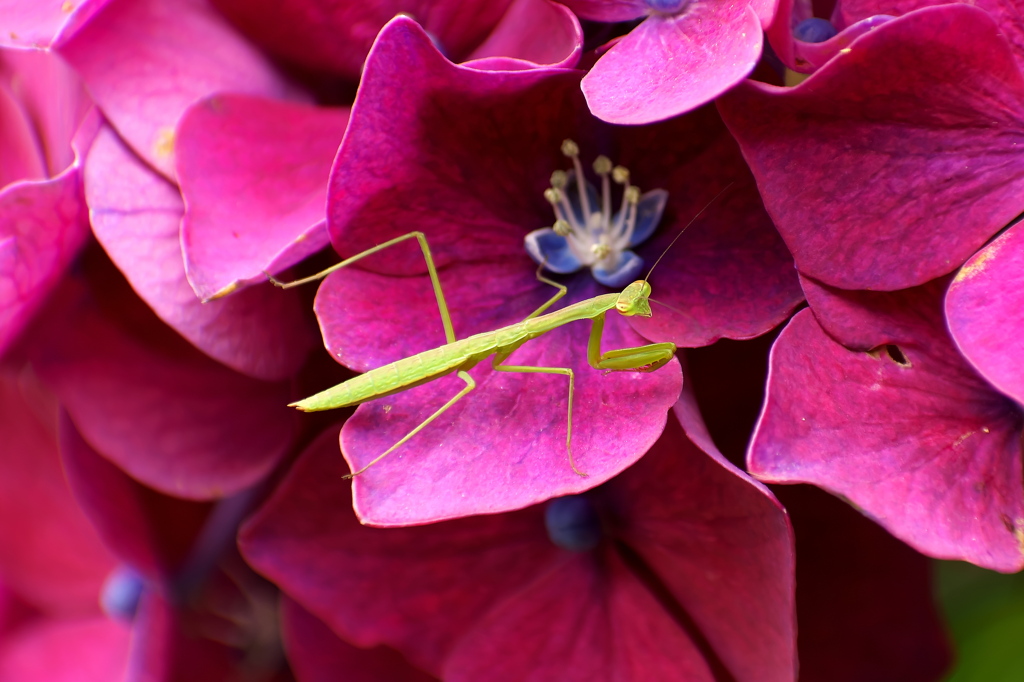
(639, 359)
(496, 363)
(446, 320)
(470, 385)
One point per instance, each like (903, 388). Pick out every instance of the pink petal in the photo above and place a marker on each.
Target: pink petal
(858, 166)
(671, 64)
(926, 447)
(42, 23)
(148, 531)
(22, 158)
(984, 306)
(146, 61)
(536, 31)
(50, 554)
(609, 11)
(87, 650)
(167, 415)
(377, 586)
(316, 654)
(336, 36)
(136, 216)
(277, 155)
(614, 629)
(43, 224)
(512, 427)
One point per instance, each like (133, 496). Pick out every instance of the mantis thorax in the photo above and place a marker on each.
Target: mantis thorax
(633, 299)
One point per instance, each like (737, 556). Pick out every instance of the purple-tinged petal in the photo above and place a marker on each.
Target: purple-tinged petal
(316, 654)
(669, 65)
(552, 250)
(148, 531)
(136, 216)
(858, 165)
(146, 61)
(166, 414)
(630, 267)
(649, 212)
(730, 274)
(42, 226)
(50, 554)
(864, 599)
(39, 24)
(253, 173)
(609, 11)
(536, 31)
(512, 427)
(908, 432)
(984, 307)
(71, 650)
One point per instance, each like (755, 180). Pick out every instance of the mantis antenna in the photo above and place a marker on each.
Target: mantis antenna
(692, 221)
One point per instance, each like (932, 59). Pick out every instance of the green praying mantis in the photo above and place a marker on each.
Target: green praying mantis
(462, 355)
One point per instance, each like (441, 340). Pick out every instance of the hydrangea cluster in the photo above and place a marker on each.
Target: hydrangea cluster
(820, 198)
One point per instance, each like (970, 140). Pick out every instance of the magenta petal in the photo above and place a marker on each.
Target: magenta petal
(512, 428)
(167, 415)
(316, 654)
(537, 31)
(136, 217)
(609, 11)
(22, 158)
(147, 531)
(670, 65)
(984, 305)
(42, 226)
(277, 155)
(146, 61)
(679, 503)
(376, 586)
(911, 435)
(49, 552)
(614, 630)
(858, 166)
(41, 23)
(730, 274)
(86, 650)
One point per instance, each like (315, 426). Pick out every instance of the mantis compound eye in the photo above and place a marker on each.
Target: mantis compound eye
(587, 233)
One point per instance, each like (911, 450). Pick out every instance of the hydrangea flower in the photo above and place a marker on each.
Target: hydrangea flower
(404, 164)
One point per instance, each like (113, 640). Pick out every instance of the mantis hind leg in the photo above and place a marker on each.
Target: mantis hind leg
(470, 385)
(496, 364)
(551, 301)
(446, 320)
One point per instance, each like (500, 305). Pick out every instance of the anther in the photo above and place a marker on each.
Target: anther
(602, 165)
(620, 174)
(600, 251)
(562, 228)
(632, 194)
(553, 196)
(570, 148)
(559, 179)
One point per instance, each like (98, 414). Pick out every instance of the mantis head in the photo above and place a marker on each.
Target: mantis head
(633, 299)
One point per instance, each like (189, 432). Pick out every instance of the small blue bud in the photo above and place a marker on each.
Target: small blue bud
(572, 523)
(814, 30)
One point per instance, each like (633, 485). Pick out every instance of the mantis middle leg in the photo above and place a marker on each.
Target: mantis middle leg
(446, 320)
(526, 369)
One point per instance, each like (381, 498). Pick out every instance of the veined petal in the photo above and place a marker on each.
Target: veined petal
(551, 249)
